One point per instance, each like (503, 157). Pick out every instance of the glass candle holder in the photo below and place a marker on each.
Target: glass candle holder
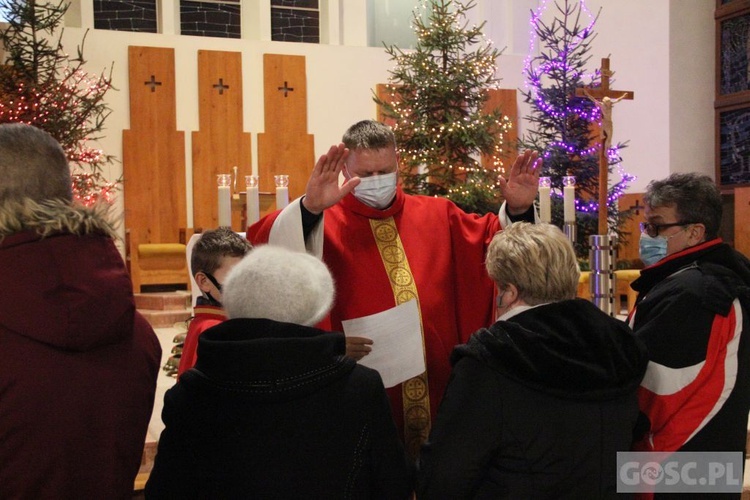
(568, 180)
(251, 181)
(281, 180)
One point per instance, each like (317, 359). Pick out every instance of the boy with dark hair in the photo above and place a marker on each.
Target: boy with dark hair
(214, 255)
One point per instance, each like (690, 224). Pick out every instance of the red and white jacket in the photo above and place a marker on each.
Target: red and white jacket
(693, 314)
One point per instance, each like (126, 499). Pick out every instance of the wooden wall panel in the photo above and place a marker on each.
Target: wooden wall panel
(153, 150)
(506, 100)
(741, 219)
(384, 94)
(629, 246)
(285, 147)
(221, 142)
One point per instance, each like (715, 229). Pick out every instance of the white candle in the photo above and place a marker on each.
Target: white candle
(545, 207)
(225, 200)
(252, 199)
(569, 198)
(282, 197)
(282, 191)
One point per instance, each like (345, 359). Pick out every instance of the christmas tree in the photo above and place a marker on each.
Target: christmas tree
(43, 86)
(436, 96)
(564, 127)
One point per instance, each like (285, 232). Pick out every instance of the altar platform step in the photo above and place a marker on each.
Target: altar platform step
(163, 309)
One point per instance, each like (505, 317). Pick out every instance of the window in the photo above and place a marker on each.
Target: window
(219, 18)
(127, 15)
(295, 21)
(389, 22)
(732, 103)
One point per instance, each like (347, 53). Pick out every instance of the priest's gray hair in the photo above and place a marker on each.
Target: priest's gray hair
(538, 259)
(33, 166)
(274, 283)
(369, 134)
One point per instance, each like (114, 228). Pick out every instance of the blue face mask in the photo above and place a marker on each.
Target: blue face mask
(652, 250)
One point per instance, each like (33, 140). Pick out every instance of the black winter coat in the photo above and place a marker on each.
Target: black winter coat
(274, 410)
(537, 407)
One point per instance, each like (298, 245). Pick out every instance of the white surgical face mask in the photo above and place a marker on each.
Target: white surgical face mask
(377, 191)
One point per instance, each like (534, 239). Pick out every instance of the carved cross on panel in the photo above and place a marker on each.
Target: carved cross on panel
(286, 88)
(152, 83)
(637, 207)
(221, 86)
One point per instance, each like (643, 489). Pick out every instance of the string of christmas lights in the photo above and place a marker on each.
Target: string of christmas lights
(435, 97)
(43, 86)
(548, 63)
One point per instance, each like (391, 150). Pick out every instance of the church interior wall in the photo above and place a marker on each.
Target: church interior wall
(691, 87)
(658, 49)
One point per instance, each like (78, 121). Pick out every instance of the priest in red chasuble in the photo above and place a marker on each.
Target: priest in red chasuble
(385, 248)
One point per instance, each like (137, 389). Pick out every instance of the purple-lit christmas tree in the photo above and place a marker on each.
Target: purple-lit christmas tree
(43, 86)
(563, 126)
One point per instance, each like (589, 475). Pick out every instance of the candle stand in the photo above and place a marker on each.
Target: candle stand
(571, 231)
(602, 283)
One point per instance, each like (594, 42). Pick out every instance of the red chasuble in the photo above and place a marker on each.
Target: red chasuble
(445, 250)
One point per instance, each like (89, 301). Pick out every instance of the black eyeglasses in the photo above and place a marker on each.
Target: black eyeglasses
(213, 280)
(653, 230)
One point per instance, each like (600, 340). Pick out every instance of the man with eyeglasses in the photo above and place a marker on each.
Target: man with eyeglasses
(693, 314)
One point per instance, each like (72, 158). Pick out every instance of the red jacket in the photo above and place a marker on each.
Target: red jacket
(204, 317)
(78, 364)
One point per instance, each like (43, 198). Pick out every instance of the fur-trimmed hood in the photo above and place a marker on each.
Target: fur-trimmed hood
(64, 282)
(54, 216)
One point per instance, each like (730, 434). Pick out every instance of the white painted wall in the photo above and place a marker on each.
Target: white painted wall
(691, 87)
(661, 49)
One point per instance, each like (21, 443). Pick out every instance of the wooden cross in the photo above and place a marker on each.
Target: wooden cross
(221, 86)
(603, 97)
(637, 207)
(286, 88)
(153, 83)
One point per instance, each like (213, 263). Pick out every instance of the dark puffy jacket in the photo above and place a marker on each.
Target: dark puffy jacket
(537, 407)
(275, 410)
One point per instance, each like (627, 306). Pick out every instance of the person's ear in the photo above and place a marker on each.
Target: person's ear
(696, 233)
(203, 282)
(512, 292)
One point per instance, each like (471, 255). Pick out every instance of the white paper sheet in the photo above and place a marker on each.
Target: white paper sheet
(397, 351)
